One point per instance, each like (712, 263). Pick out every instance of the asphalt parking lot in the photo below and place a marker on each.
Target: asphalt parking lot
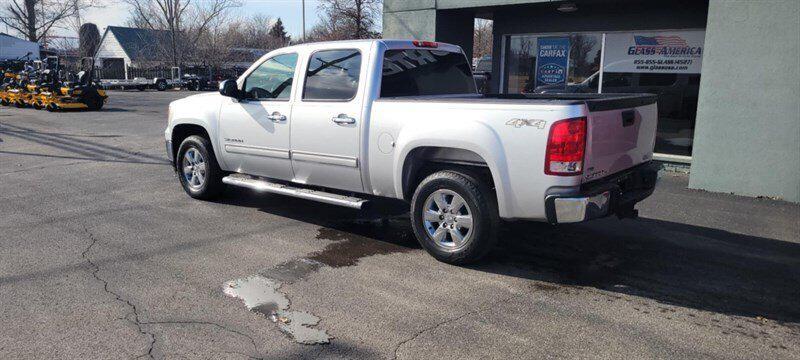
(103, 256)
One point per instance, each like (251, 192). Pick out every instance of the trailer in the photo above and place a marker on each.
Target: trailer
(174, 81)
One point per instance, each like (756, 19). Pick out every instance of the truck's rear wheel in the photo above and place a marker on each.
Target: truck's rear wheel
(454, 217)
(198, 170)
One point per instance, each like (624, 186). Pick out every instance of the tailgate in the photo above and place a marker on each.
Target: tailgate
(621, 134)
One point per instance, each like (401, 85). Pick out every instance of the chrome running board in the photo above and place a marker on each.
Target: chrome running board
(283, 189)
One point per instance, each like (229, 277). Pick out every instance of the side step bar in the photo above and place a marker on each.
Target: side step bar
(282, 189)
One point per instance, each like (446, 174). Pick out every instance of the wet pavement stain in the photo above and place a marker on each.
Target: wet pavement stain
(261, 295)
(291, 271)
(347, 248)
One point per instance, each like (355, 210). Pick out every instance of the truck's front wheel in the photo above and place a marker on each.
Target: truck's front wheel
(454, 217)
(198, 170)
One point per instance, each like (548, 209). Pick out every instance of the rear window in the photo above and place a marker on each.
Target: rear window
(416, 72)
(332, 75)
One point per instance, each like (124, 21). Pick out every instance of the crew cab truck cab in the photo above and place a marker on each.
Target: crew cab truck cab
(348, 122)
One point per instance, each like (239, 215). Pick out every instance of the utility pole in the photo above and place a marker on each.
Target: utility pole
(304, 20)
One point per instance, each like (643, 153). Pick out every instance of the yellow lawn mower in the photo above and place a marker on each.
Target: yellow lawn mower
(82, 93)
(48, 84)
(9, 82)
(21, 95)
(10, 70)
(17, 94)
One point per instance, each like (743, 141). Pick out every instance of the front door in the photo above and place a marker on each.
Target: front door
(255, 131)
(326, 122)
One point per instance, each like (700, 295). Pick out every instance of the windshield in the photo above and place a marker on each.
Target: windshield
(418, 72)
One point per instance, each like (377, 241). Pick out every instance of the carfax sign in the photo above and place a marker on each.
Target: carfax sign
(655, 52)
(552, 59)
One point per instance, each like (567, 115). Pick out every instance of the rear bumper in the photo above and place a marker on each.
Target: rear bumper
(614, 195)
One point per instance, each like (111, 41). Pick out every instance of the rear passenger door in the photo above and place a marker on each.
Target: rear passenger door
(327, 119)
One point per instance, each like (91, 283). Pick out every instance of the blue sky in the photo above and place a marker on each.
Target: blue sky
(288, 10)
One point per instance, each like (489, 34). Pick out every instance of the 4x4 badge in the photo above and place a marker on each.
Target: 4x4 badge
(518, 123)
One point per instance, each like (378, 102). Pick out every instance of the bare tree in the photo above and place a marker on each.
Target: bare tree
(258, 32)
(186, 21)
(214, 47)
(482, 38)
(580, 53)
(347, 19)
(34, 19)
(239, 40)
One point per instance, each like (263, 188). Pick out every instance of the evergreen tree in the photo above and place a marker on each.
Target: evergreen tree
(89, 40)
(278, 32)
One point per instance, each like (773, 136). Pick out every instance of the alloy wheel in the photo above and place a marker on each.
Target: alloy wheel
(447, 219)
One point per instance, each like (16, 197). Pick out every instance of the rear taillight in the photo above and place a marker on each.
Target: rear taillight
(565, 147)
(425, 44)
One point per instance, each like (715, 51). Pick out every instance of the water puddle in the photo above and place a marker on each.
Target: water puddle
(351, 241)
(262, 295)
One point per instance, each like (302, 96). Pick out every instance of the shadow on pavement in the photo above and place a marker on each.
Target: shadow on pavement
(684, 265)
(78, 145)
(116, 110)
(339, 349)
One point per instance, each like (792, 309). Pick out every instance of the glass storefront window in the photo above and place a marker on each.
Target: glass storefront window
(584, 61)
(520, 64)
(583, 64)
(666, 63)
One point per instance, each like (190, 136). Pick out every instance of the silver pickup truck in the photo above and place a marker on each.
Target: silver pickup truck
(349, 122)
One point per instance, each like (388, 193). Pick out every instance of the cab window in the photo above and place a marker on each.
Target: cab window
(332, 75)
(418, 72)
(272, 80)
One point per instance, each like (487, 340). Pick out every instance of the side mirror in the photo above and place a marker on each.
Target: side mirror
(229, 88)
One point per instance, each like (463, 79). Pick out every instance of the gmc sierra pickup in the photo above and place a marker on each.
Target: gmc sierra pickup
(348, 122)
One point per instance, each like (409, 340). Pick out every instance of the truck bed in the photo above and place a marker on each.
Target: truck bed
(595, 102)
(613, 144)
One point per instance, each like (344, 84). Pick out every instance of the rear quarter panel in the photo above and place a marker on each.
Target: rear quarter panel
(514, 153)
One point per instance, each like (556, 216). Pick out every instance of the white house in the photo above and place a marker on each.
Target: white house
(123, 47)
(12, 48)
(126, 52)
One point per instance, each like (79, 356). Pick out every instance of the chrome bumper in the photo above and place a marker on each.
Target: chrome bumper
(617, 194)
(577, 209)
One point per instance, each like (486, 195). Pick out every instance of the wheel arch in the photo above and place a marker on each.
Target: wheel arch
(182, 131)
(420, 161)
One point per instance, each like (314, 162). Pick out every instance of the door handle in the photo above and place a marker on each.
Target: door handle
(276, 117)
(343, 119)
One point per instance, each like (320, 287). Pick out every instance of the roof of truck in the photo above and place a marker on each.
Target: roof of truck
(390, 43)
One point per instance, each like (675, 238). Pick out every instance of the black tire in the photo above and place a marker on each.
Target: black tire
(483, 208)
(161, 85)
(94, 102)
(212, 186)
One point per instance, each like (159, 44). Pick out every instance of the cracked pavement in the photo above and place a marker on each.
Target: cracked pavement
(103, 256)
